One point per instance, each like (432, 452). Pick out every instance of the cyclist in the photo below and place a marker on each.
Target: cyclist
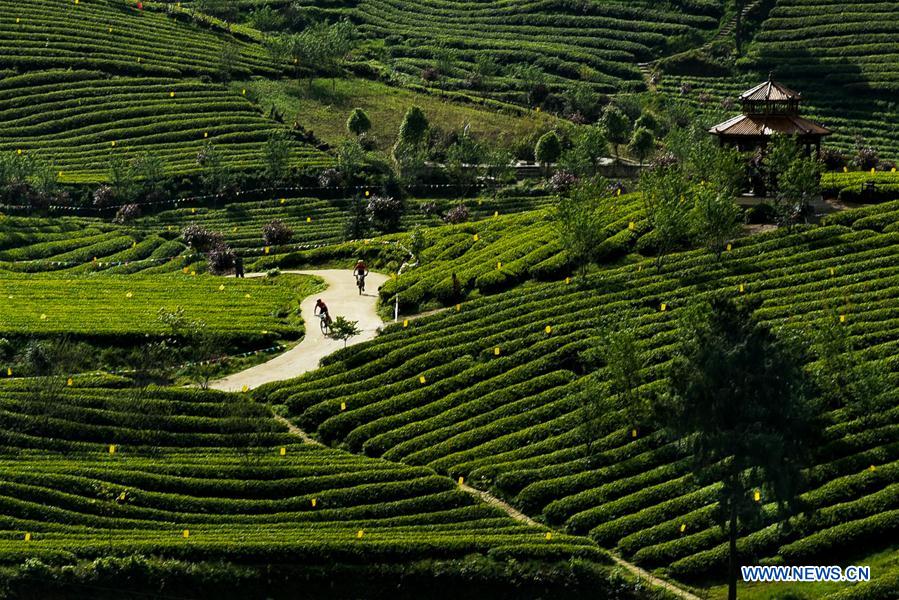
(322, 309)
(360, 271)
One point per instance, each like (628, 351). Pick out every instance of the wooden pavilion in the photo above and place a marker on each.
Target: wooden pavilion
(769, 108)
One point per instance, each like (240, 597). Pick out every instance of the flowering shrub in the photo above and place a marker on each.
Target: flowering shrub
(385, 211)
(201, 239)
(126, 213)
(457, 214)
(276, 233)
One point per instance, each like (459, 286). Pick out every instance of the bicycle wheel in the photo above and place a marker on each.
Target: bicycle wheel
(323, 323)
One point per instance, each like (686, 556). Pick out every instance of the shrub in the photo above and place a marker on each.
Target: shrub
(104, 196)
(457, 214)
(201, 239)
(127, 213)
(221, 258)
(276, 233)
(562, 181)
(385, 211)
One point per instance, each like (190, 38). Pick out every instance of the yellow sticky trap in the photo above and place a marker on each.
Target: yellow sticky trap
(893, 170)
(185, 270)
(496, 213)
(283, 451)
(193, 211)
(185, 534)
(222, 287)
(267, 249)
(245, 389)
(422, 379)
(632, 226)
(499, 265)
(70, 382)
(729, 247)
(405, 322)
(476, 237)
(757, 496)
(458, 307)
(283, 200)
(683, 527)
(113, 144)
(549, 535)
(59, 175)
(112, 448)
(308, 219)
(193, 273)
(872, 468)
(43, 317)
(343, 406)
(171, 94)
(246, 296)
(205, 134)
(742, 288)
(842, 318)
(134, 244)
(567, 280)
(619, 192)
(359, 534)
(28, 537)
(19, 152)
(496, 351)
(633, 433)
(845, 169)
(244, 92)
(314, 502)
(129, 295)
(9, 372)
(549, 329)
(872, 170)
(461, 480)
(367, 193)
(664, 307)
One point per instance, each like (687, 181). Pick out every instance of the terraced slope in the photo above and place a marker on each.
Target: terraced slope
(152, 244)
(78, 120)
(599, 43)
(94, 471)
(116, 37)
(846, 44)
(495, 392)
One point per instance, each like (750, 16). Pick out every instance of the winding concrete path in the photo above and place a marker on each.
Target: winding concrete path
(343, 299)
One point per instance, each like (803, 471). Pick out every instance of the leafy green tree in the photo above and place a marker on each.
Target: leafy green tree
(798, 186)
(343, 329)
(229, 56)
(642, 144)
(358, 122)
(740, 400)
(624, 364)
(276, 155)
(350, 159)
(578, 224)
(665, 190)
(715, 218)
(499, 168)
(414, 128)
(616, 127)
(216, 176)
(357, 220)
(548, 149)
(463, 161)
(122, 178)
(149, 172)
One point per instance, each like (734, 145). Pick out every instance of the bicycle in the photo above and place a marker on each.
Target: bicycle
(360, 282)
(324, 323)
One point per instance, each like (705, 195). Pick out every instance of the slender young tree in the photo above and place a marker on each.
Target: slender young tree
(577, 222)
(741, 403)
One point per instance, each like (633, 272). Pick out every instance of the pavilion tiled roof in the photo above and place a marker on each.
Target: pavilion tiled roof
(770, 91)
(766, 125)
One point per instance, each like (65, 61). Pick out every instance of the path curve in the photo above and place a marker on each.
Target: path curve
(628, 566)
(343, 299)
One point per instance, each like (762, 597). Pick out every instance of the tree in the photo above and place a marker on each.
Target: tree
(797, 187)
(215, 175)
(642, 144)
(344, 329)
(358, 122)
(665, 189)
(624, 363)
(276, 154)
(414, 127)
(592, 144)
(122, 178)
(548, 149)
(740, 402)
(149, 171)
(499, 168)
(616, 127)
(385, 212)
(463, 161)
(229, 56)
(578, 225)
(350, 160)
(357, 221)
(715, 218)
